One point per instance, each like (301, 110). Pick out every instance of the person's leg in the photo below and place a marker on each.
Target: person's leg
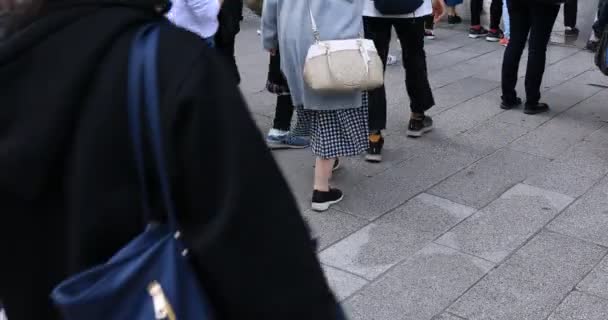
(476, 30)
(570, 13)
(542, 20)
(506, 19)
(283, 113)
(476, 8)
(495, 14)
(429, 26)
(411, 35)
(323, 170)
(520, 27)
(378, 30)
(225, 39)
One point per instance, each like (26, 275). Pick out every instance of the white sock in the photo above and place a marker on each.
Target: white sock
(277, 133)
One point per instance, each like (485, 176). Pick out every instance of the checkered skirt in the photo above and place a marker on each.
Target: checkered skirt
(335, 133)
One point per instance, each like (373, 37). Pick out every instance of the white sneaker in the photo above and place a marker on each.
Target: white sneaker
(391, 60)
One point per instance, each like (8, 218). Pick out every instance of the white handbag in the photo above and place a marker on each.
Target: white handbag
(338, 66)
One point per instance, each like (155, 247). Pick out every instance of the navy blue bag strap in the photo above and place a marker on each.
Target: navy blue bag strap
(143, 103)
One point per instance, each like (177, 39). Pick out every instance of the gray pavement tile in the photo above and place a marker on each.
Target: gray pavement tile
(556, 136)
(504, 225)
(388, 190)
(332, 226)
(343, 283)
(486, 180)
(446, 76)
(587, 218)
(446, 316)
(596, 283)
(262, 103)
(490, 136)
(568, 68)
(533, 282)
(466, 115)
(450, 58)
(594, 76)
(461, 91)
(379, 246)
(555, 54)
(419, 288)
(573, 173)
(559, 98)
(579, 306)
(593, 108)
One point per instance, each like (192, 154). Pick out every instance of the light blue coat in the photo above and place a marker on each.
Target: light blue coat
(286, 25)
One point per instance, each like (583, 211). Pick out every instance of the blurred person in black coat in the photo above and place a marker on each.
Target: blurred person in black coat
(69, 193)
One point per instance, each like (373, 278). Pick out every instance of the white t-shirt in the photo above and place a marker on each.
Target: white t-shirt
(197, 16)
(369, 10)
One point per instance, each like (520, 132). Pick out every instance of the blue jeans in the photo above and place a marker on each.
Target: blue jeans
(506, 19)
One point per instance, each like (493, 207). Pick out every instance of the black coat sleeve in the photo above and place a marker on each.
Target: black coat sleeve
(251, 245)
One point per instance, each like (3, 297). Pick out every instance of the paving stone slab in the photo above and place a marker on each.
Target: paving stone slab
(556, 136)
(486, 180)
(533, 282)
(507, 223)
(587, 218)
(490, 136)
(332, 226)
(446, 316)
(579, 306)
(390, 189)
(379, 246)
(343, 284)
(461, 91)
(419, 288)
(560, 98)
(568, 68)
(596, 283)
(467, 115)
(593, 109)
(573, 173)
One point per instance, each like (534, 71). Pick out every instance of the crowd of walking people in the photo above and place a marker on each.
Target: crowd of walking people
(70, 180)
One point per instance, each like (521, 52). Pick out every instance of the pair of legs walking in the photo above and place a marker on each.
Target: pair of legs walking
(411, 36)
(533, 21)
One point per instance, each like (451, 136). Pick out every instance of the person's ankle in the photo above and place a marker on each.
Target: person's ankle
(321, 188)
(417, 116)
(477, 27)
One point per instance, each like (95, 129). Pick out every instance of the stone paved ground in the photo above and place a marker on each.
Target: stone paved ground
(494, 215)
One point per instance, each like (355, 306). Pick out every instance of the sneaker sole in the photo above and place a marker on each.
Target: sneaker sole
(418, 134)
(492, 39)
(321, 207)
(532, 112)
(430, 37)
(375, 158)
(477, 36)
(281, 146)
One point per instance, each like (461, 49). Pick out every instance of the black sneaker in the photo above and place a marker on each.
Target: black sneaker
(495, 35)
(454, 20)
(592, 45)
(536, 108)
(374, 153)
(322, 200)
(475, 33)
(418, 127)
(572, 31)
(508, 105)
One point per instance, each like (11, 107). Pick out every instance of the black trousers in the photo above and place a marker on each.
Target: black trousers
(495, 13)
(411, 35)
(570, 13)
(229, 18)
(536, 20)
(283, 113)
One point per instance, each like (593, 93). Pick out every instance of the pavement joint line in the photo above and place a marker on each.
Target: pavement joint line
(589, 294)
(513, 252)
(464, 253)
(456, 316)
(346, 271)
(574, 288)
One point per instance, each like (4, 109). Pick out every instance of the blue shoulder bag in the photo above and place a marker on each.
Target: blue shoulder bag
(151, 277)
